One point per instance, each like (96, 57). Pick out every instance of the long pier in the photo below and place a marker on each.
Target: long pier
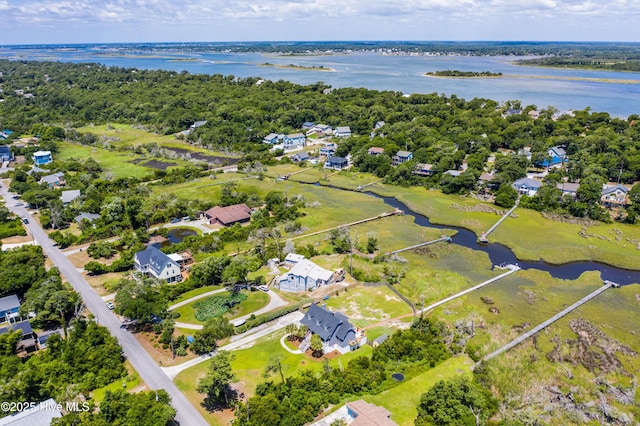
(512, 269)
(556, 317)
(504, 216)
(426, 243)
(361, 187)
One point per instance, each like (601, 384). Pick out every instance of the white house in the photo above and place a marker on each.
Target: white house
(342, 132)
(294, 141)
(292, 259)
(42, 157)
(272, 138)
(305, 275)
(614, 196)
(153, 262)
(527, 186)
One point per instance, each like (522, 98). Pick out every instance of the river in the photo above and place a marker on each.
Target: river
(617, 93)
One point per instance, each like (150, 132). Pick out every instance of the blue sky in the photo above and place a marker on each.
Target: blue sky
(101, 21)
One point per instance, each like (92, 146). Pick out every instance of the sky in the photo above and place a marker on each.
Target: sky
(113, 21)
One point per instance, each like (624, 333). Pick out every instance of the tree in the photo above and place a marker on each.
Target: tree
(141, 300)
(274, 365)
(506, 196)
(316, 345)
(216, 383)
(458, 401)
(372, 242)
(209, 271)
(206, 340)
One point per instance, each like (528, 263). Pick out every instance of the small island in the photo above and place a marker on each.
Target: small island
(298, 67)
(464, 74)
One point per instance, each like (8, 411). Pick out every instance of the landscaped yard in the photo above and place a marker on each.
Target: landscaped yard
(189, 313)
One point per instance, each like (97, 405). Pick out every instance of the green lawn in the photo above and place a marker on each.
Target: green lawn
(254, 301)
(128, 383)
(403, 399)
(196, 292)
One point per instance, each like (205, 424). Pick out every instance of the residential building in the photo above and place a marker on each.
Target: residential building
(5, 153)
(375, 151)
(320, 130)
(9, 307)
(454, 173)
(183, 259)
(91, 217)
(401, 157)
(614, 196)
(294, 141)
(556, 157)
(300, 157)
(292, 259)
(305, 275)
(363, 413)
(55, 180)
(336, 163)
(69, 196)
(568, 188)
(152, 262)
(328, 149)
(334, 328)
(307, 125)
(229, 215)
(271, 138)
(527, 186)
(423, 169)
(42, 157)
(342, 132)
(28, 342)
(5, 133)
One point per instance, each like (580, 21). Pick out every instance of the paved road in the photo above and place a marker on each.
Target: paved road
(151, 373)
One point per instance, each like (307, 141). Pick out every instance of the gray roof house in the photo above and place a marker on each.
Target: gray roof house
(336, 163)
(9, 306)
(42, 414)
(527, 186)
(334, 328)
(69, 196)
(153, 262)
(300, 157)
(91, 217)
(54, 180)
(304, 275)
(614, 196)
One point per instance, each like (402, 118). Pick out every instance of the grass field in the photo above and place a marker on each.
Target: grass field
(255, 300)
(403, 399)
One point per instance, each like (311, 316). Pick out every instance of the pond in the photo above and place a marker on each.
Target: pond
(176, 235)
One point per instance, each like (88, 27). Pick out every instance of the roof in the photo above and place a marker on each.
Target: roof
(560, 152)
(5, 149)
(41, 153)
(52, 178)
(198, 124)
(301, 156)
(306, 268)
(614, 188)
(343, 129)
(568, 186)
(337, 160)
(403, 154)
(294, 257)
(36, 416)
(175, 257)
(486, 177)
(295, 136)
(271, 136)
(322, 322)
(69, 196)
(89, 216)
(9, 302)
(24, 326)
(370, 414)
(376, 150)
(229, 214)
(153, 257)
(528, 182)
(453, 172)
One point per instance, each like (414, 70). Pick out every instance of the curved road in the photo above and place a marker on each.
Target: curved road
(149, 371)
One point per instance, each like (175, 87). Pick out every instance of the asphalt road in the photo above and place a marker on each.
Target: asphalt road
(146, 367)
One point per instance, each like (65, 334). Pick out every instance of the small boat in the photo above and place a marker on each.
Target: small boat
(483, 239)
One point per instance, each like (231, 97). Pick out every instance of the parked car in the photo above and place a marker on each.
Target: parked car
(25, 220)
(263, 288)
(110, 305)
(19, 204)
(175, 220)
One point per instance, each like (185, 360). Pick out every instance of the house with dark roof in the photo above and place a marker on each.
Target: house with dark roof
(614, 196)
(334, 328)
(336, 163)
(5, 153)
(401, 157)
(304, 275)
(9, 307)
(152, 262)
(300, 157)
(229, 215)
(307, 125)
(69, 196)
(527, 186)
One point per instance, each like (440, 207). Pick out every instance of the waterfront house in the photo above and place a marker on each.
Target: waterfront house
(152, 262)
(568, 188)
(334, 328)
(614, 196)
(300, 157)
(305, 275)
(423, 169)
(294, 141)
(527, 186)
(42, 157)
(342, 132)
(336, 163)
(401, 157)
(229, 215)
(375, 151)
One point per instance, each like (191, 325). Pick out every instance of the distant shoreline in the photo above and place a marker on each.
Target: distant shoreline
(299, 67)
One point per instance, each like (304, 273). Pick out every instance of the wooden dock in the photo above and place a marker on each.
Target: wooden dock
(607, 285)
(495, 225)
(415, 246)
